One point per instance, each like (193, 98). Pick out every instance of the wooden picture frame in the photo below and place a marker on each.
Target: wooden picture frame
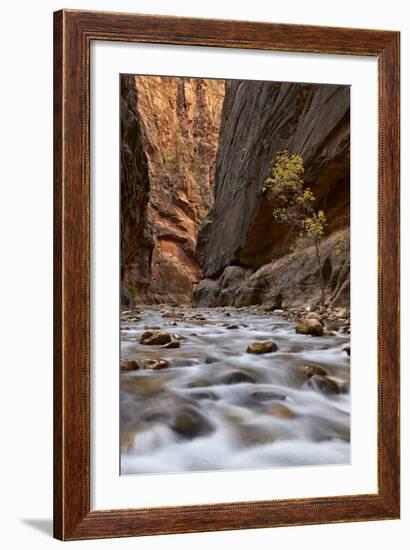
(73, 33)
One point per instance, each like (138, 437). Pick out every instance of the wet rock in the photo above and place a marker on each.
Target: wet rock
(313, 315)
(310, 326)
(156, 364)
(313, 370)
(233, 326)
(157, 337)
(129, 365)
(238, 377)
(346, 349)
(189, 423)
(292, 349)
(281, 410)
(210, 359)
(267, 396)
(156, 415)
(204, 395)
(173, 344)
(342, 314)
(345, 388)
(251, 435)
(262, 347)
(327, 332)
(202, 383)
(324, 384)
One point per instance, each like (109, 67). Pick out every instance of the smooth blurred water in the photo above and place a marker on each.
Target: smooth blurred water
(272, 420)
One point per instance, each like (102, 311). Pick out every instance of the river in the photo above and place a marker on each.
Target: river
(217, 407)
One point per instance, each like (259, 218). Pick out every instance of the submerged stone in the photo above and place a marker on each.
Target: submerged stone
(156, 364)
(238, 377)
(262, 347)
(324, 385)
(189, 423)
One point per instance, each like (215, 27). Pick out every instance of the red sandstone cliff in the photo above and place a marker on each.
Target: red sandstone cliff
(167, 190)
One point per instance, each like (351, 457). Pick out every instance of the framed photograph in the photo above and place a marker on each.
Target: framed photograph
(226, 275)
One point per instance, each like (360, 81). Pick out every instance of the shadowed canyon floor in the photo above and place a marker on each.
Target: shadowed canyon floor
(194, 397)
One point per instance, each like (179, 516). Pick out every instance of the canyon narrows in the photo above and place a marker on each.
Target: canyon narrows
(235, 345)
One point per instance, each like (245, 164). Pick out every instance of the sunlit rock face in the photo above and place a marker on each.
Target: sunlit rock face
(168, 166)
(258, 120)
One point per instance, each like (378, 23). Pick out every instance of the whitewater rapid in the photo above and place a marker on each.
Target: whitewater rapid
(200, 415)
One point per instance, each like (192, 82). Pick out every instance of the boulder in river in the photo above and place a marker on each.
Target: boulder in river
(189, 423)
(173, 344)
(347, 350)
(281, 410)
(129, 365)
(156, 364)
(268, 396)
(324, 384)
(312, 370)
(238, 377)
(310, 326)
(156, 337)
(262, 347)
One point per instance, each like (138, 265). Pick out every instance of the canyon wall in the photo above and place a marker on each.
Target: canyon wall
(170, 130)
(243, 254)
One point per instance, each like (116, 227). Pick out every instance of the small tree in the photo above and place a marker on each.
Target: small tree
(293, 204)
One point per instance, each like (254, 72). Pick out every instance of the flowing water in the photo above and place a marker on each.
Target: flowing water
(218, 407)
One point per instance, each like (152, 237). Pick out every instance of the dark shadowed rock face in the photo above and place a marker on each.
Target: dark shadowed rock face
(258, 120)
(136, 240)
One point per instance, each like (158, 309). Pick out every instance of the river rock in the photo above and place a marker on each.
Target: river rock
(310, 326)
(281, 410)
(347, 350)
(268, 396)
(233, 326)
(211, 359)
(156, 415)
(345, 388)
(238, 377)
(129, 365)
(157, 337)
(204, 395)
(173, 344)
(156, 364)
(201, 383)
(262, 347)
(324, 384)
(189, 423)
(313, 315)
(312, 370)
